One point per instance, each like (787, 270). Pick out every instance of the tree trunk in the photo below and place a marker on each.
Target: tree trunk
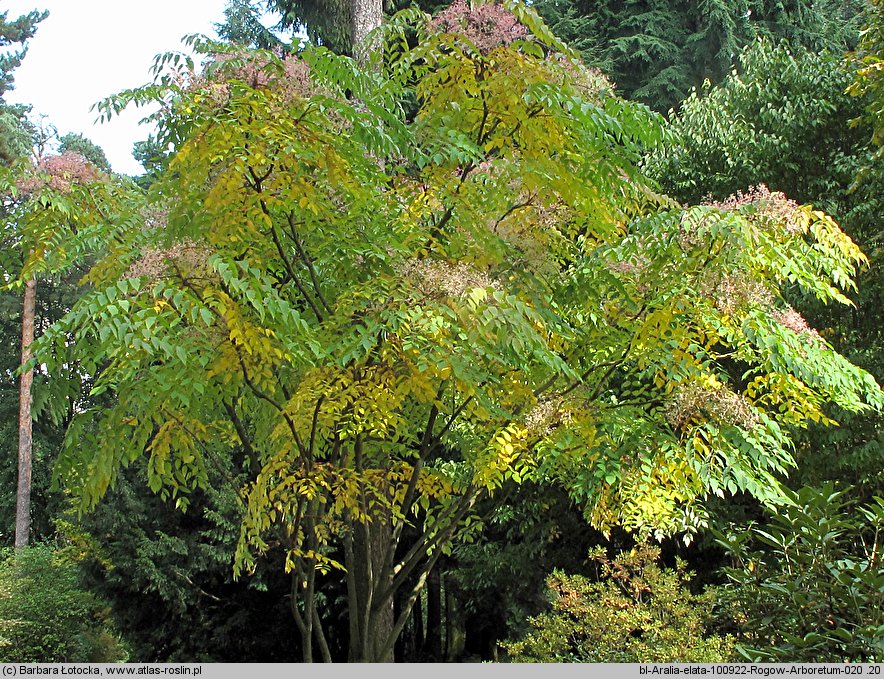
(366, 16)
(25, 447)
(432, 650)
(454, 633)
(417, 614)
(373, 581)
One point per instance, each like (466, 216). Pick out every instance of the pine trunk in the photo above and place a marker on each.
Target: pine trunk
(366, 16)
(25, 445)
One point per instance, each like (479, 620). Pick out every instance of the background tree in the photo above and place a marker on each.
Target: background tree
(15, 32)
(657, 52)
(806, 586)
(654, 51)
(15, 131)
(869, 83)
(77, 144)
(165, 571)
(47, 616)
(242, 25)
(53, 208)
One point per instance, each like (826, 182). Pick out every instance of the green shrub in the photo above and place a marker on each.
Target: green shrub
(46, 616)
(809, 586)
(636, 612)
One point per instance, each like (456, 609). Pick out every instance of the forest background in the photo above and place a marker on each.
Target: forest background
(505, 334)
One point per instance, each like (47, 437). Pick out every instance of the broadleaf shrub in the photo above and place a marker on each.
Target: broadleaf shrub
(46, 616)
(637, 611)
(809, 587)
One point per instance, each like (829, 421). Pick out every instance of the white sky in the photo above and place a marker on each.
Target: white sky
(86, 50)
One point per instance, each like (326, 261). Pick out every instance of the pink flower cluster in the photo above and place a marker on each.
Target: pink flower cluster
(59, 173)
(770, 207)
(486, 26)
(293, 83)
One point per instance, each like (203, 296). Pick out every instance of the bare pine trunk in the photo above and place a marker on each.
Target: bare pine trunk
(366, 16)
(25, 447)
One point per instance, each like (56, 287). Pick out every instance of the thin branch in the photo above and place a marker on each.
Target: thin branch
(429, 541)
(243, 434)
(258, 181)
(352, 597)
(320, 637)
(269, 399)
(307, 261)
(293, 276)
(299, 619)
(511, 209)
(445, 536)
(454, 416)
(311, 450)
(408, 498)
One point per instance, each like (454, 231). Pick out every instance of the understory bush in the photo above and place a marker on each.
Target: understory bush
(45, 614)
(809, 587)
(637, 611)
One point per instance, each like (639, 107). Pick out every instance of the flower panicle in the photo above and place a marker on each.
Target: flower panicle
(59, 172)
(487, 26)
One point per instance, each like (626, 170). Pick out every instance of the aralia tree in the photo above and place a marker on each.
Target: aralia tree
(385, 315)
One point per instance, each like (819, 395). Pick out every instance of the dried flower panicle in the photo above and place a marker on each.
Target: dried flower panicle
(795, 322)
(769, 207)
(731, 292)
(155, 217)
(435, 277)
(530, 227)
(487, 26)
(547, 415)
(690, 401)
(628, 268)
(589, 81)
(185, 257)
(59, 173)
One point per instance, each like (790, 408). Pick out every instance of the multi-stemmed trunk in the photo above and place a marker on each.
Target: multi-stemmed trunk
(373, 576)
(369, 593)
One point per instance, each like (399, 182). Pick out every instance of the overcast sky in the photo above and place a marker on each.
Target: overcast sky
(86, 50)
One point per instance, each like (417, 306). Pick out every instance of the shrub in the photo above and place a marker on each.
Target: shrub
(808, 586)
(636, 612)
(46, 616)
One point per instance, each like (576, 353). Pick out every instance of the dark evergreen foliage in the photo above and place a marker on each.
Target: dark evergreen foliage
(77, 143)
(14, 32)
(242, 26)
(657, 51)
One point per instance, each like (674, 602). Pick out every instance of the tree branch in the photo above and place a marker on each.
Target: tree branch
(293, 276)
(307, 262)
(243, 434)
